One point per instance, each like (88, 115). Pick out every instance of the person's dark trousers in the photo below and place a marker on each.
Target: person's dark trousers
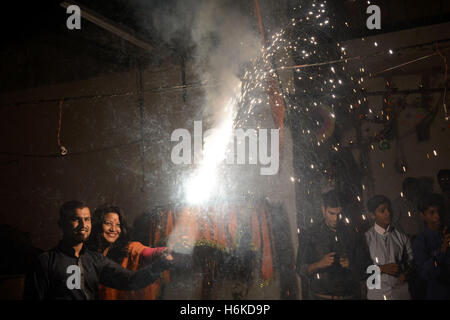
(417, 286)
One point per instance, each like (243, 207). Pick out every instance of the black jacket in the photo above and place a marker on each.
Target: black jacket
(319, 240)
(50, 275)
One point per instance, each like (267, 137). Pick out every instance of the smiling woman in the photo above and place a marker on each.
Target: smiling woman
(110, 237)
(111, 227)
(109, 233)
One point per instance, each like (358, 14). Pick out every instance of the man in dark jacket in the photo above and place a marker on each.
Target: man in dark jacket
(72, 272)
(332, 256)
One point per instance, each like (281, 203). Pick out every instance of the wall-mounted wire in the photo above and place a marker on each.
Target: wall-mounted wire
(62, 150)
(444, 99)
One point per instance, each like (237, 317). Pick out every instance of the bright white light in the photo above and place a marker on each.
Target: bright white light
(199, 188)
(204, 181)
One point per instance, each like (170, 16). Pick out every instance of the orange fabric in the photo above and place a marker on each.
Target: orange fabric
(215, 232)
(256, 235)
(183, 223)
(221, 237)
(166, 275)
(192, 223)
(157, 237)
(267, 261)
(204, 230)
(232, 225)
(219, 230)
(169, 225)
(209, 226)
(131, 262)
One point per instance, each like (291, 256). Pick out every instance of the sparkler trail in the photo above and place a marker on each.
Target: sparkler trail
(203, 182)
(324, 88)
(305, 38)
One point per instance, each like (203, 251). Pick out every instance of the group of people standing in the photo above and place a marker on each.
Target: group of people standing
(96, 259)
(408, 245)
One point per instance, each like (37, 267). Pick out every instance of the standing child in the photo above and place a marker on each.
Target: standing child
(431, 249)
(391, 250)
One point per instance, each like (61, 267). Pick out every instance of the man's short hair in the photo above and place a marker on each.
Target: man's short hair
(442, 173)
(431, 200)
(68, 209)
(376, 201)
(331, 199)
(409, 181)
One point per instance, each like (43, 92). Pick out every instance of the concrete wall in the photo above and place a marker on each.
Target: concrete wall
(428, 74)
(105, 162)
(34, 187)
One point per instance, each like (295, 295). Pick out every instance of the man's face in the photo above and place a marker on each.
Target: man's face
(444, 182)
(77, 228)
(331, 216)
(432, 218)
(383, 215)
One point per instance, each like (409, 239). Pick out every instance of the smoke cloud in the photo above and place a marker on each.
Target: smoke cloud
(222, 40)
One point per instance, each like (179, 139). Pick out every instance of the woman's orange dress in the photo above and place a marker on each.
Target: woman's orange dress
(131, 262)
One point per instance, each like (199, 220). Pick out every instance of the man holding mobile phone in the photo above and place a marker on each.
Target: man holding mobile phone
(332, 256)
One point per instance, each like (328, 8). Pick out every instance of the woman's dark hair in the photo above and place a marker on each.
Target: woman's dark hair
(119, 249)
(376, 201)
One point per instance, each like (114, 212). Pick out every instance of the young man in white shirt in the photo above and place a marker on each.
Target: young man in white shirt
(391, 250)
